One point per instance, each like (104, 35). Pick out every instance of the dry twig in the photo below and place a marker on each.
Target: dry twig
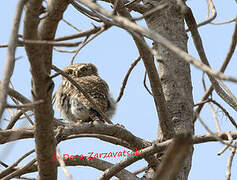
(210, 19)
(191, 22)
(103, 28)
(126, 78)
(10, 58)
(222, 69)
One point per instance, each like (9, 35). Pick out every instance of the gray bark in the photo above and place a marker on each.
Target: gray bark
(175, 75)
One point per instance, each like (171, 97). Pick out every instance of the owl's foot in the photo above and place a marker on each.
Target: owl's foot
(120, 125)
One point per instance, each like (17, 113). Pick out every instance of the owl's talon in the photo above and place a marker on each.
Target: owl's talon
(98, 122)
(120, 125)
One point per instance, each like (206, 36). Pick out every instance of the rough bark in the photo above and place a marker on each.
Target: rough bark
(40, 57)
(175, 75)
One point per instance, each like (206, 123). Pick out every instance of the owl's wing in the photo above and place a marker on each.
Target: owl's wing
(96, 88)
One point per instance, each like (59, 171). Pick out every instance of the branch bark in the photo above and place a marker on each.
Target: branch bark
(40, 58)
(10, 59)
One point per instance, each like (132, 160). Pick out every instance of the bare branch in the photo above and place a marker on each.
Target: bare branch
(103, 28)
(155, 148)
(86, 161)
(222, 69)
(80, 34)
(52, 43)
(106, 138)
(210, 19)
(19, 171)
(9, 169)
(157, 91)
(225, 111)
(138, 171)
(213, 134)
(152, 11)
(71, 25)
(132, 27)
(126, 78)
(132, 5)
(144, 83)
(10, 59)
(190, 20)
(211, 106)
(17, 95)
(229, 163)
(226, 146)
(40, 58)
(92, 15)
(174, 157)
(225, 22)
(26, 106)
(62, 165)
(105, 129)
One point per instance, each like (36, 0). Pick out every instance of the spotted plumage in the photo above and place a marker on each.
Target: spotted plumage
(73, 105)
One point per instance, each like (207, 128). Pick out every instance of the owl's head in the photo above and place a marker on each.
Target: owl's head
(81, 70)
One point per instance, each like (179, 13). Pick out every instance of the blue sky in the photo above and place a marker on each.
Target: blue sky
(113, 52)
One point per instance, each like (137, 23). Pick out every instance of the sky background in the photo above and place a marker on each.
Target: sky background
(112, 53)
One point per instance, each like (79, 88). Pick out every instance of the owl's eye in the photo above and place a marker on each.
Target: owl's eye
(83, 69)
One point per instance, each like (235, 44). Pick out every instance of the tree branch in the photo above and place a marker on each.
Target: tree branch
(222, 69)
(10, 59)
(190, 20)
(40, 58)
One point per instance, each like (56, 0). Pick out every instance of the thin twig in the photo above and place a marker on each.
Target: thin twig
(213, 134)
(115, 7)
(103, 28)
(17, 95)
(211, 107)
(144, 83)
(229, 162)
(19, 171)
(154, 10)
(24, 112)
(91, 15)
(210, 19)
(225, 22)
(230, 140)
(191, 23)
(102, 137)
(10, 58)
(222, 69)
(71, 25)
(14, 119)
(53, 43)
(62, 165)
(174, 157)
(77, 51)
(126, 78)
(80, 34)
(132, 27)
(131, 2)
(225, 111)
(9, 169)
(63, 50)
(201, 103)
(25, 106)
(3, 164)
(138, 171)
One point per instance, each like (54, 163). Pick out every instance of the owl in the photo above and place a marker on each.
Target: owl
(73, 105)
